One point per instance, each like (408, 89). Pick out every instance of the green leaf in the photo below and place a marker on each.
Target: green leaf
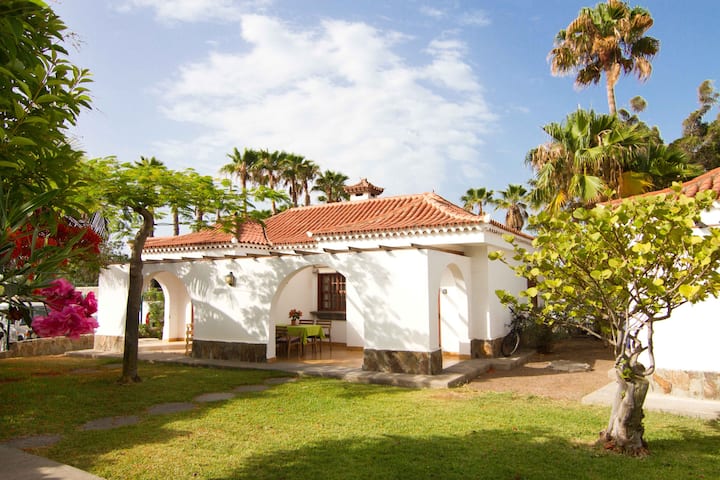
(688, 291)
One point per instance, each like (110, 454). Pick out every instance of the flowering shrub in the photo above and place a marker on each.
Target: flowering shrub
(294, 314)
(70, 314)
(84, 238)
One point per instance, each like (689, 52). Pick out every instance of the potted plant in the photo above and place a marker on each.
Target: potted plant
(294, 315)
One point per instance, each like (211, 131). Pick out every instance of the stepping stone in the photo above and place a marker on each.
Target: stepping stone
(250, 388)
(569, 366)
(110, 422)
(173, 407)
(213, 397)
(280, 380)
(33, 442)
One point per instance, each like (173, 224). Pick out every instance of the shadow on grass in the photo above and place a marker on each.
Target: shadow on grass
(491, 454)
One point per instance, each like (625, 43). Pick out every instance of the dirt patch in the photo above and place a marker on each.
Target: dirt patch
(536, 378)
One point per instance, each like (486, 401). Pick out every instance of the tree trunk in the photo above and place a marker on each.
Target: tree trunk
(625, 429)
(611, 77)
(176, 222)
(134, 301)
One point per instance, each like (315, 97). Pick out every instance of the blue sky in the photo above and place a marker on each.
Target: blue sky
(416, 96)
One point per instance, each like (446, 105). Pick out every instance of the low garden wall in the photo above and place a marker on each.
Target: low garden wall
(48, 346)
(683, 383)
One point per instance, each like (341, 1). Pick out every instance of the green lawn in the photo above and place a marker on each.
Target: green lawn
(326, 429)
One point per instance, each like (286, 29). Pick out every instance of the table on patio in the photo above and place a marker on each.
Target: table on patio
(304, 331)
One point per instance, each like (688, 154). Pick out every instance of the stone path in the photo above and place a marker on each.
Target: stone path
(160, 409)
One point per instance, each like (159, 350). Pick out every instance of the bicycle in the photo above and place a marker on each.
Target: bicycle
(511, 341)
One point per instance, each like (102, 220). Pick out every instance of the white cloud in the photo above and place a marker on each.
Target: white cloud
(477, 18)
(340, 95)
(432, 12)
(195, 10)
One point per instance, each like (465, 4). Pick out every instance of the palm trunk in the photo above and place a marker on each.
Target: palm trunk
(611, 77)
(134, 301)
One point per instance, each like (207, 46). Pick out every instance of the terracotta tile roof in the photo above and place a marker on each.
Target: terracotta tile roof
(405, 212)
(364, 187)
(707, 181)
(251, 234)
(366, 216)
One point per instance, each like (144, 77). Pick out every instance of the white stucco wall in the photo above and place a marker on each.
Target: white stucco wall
(395, 298)
(689, 339)
(112, 300)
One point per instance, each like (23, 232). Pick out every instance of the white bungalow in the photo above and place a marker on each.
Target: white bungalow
(403, 278)
(685, 345)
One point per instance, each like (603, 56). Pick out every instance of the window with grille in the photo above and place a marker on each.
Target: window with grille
(331, 292)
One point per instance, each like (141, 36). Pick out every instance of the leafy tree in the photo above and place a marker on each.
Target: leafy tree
(477, 197)
(332, 184)
(512, 199)
(608, 39)
(135, 191)
(41, 96)
(614, 272)
(701, 139)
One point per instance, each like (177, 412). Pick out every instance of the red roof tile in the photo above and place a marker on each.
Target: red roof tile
(364, 187)
(251, 233)
(405, 212)
(366, 216)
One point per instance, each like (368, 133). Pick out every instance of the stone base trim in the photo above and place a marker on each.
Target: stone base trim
(485, 348)
(684, 383)
(214, 350)
(397, 361)
(109, 343)
(48, 346)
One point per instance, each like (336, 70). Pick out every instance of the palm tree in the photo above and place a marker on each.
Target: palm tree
(290, 174)
(477, 197)
(512, 200)
(587, 155)
(241, 165)
(267, 171)
(307, 172)
(608, 39)
(332, 185)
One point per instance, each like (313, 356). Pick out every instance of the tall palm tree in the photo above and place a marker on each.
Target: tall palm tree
(608, 39)
(587, 155)
(512, 199)
(241, 165)
(477, 197)
(307, 172)
(332, 185)
(291, 175)
(267, 171)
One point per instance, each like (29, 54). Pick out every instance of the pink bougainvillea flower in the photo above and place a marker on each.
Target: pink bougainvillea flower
(70, 314)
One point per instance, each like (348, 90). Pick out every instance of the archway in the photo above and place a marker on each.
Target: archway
(178, 305)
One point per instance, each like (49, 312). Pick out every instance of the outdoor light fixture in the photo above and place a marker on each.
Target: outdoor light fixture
(230, 279)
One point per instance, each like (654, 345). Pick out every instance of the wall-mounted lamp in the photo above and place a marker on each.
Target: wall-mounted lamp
(230, 279)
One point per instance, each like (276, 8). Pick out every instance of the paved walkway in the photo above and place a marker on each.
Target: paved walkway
(20, 465)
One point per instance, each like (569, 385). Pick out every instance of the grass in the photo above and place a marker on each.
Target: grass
(318, 428)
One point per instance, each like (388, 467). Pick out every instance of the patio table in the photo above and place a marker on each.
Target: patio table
(304, 331)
